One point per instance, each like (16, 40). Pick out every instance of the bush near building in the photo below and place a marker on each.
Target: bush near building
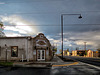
(6, 63)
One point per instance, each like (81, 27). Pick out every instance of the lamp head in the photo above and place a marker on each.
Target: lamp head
(80, 17)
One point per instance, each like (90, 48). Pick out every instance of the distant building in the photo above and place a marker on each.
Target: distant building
(95, 54)
(66, 53)
(89, 53)
(27, 48)
(86, 53)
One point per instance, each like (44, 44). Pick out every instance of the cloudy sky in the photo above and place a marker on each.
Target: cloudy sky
(30, 17)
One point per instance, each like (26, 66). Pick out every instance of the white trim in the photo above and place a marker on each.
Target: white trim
(41, 55)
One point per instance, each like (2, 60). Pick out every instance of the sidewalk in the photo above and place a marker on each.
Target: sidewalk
(60, 61)
(56, 61)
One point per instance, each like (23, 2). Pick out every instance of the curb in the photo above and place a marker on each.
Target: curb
(39, 66)
(34, 66)
(65, 64)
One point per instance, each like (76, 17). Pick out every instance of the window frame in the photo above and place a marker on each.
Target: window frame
(11, 51)
(41, 36)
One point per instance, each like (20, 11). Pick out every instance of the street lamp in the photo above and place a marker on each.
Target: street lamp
(85, 48)
(85, 45)
(62, 27)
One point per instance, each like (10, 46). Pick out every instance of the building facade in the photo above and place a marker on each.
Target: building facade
(66, 53)
(95, 54)
(25, 48)
(86, 53)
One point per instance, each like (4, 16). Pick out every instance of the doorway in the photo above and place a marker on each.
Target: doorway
(40, 55)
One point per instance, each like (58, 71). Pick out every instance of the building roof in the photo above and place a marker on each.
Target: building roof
(40, 34)
(81, 50)
(15, 37)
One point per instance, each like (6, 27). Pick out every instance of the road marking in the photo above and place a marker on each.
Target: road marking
(65, 64)
(91, 65)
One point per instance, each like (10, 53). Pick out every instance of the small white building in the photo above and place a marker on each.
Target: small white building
(27, 48)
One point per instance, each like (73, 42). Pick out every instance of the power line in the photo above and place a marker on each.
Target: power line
(31, 13)
(9, 2)
(58, 12)
(59, 25)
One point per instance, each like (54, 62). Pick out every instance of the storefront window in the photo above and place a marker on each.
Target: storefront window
(14, 51)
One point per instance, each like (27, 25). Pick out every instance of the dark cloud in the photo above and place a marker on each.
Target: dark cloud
(47, 12)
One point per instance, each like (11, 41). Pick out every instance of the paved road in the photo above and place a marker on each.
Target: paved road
(79, 69)
(93, 61)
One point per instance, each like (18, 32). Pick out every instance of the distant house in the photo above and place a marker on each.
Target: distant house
(87, 53)
(66, 53)
(27, 48)
(95, 54)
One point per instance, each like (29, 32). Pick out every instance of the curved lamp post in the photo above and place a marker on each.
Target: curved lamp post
(62, 27)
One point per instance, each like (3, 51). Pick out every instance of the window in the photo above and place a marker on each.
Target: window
(41, 36)
(0, 50)
(14, 51)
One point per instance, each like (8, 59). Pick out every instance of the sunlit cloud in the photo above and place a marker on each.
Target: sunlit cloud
(19, 24)
(9, 34)
(81, 42)
(70, 45)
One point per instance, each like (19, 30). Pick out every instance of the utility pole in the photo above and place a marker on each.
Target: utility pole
(62, 33)
(53, 49)
(85, 48)
(56, 48)
(85, 45)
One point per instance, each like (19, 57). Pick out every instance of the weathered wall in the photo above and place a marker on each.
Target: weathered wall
(26, 47)
(23, 45)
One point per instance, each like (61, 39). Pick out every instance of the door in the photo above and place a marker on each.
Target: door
(40, 54)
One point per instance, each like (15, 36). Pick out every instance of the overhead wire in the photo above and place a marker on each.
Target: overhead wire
(59, 25)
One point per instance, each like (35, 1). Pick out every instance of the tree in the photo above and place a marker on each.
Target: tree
(1, 24)
(55, 50)
(1, 29)
(98, 49)
(85, 52)
(67, 49)
(60, 51)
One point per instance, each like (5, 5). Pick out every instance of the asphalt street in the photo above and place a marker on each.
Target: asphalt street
(93, 61)
(78, 69)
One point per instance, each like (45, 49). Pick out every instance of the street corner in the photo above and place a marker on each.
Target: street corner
(33, 65)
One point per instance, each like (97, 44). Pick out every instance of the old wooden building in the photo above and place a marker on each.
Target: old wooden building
(25, 48)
